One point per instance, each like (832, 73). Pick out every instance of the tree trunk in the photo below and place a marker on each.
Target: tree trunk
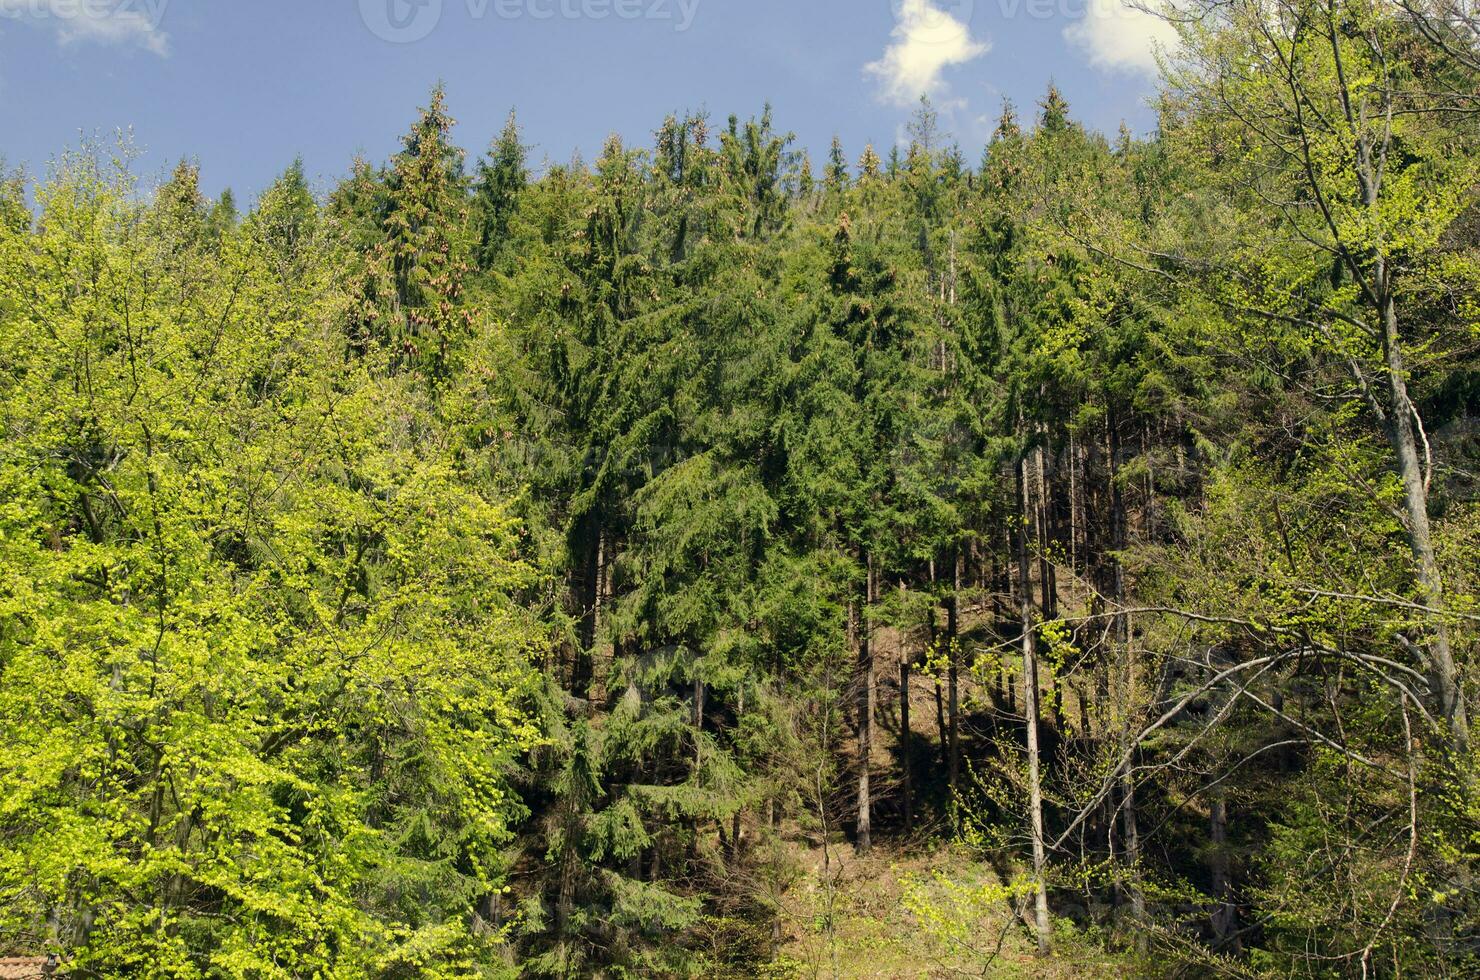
(1403, 436)
(1403, 428)
(1132, 849)
(1030, 707)
(953, 687)
(597, 685)
(1074, 508)
(906, 760)
(1121, 623)
(1048, 581)
(933, 623)
(735, 835)
(864, 839)
(1225, 916)
(904, 740)
(940, 725)
(698, 721)
(1047, 585)
(735, 818)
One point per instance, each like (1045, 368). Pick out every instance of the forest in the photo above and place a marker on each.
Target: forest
(707, 561)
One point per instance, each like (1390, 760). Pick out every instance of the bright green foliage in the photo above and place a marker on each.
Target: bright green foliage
(263, 680)
(517, 573)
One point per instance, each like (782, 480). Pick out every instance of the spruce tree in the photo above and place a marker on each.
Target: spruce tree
(500, 179)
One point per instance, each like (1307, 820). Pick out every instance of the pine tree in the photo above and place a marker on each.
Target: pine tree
(500, 180)
(836, 178)
(423, 253)
(1053, 115)
(287, 216)
(224, 214)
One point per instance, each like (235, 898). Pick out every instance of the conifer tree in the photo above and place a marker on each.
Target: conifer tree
(836, 178)
(500, 179)
(477, 573)
(423, 252)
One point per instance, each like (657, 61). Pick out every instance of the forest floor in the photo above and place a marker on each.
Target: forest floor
(919, 906)
(925, 913)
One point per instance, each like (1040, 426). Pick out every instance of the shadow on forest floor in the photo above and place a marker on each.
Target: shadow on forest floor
(913, 913)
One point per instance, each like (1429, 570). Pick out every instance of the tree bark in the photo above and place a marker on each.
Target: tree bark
(1225, 916)
(735, 818)
(904, 745)
(597, 685)
(953, 687)
(1048, 579)
(864, 840)
(1130, 833)
(1075, 510)
(1132, 849)
(1030, 706)
(906, 761)
(1046, 585)
(699, 694)
(1403, 436)
(1404, 426)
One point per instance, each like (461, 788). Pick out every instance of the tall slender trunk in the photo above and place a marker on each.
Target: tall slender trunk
(564, 899)
(906, 757)
(1132, 837)
(1225, 916)
(940, 724)
(1403, 435)
(905, 765)
(1118, 528)
(699, 695)
(1148, 509)
(933, 624)
(953, 680)
(1074, 508)
(865, 712)
(1030, 707)
(1404, 427)
(597, 691)
(735, 818)
(1047, 585)
(1130, 833)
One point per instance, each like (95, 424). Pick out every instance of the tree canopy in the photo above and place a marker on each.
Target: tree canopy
(487, 569)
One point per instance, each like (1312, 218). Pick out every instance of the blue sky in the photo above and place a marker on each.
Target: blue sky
(245, 86)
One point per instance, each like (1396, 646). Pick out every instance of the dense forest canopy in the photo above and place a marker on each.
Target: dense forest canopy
(466, 572)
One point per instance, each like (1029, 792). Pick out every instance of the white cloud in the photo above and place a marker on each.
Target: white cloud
(927, 40)
(1120, 37)
(129, 22)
